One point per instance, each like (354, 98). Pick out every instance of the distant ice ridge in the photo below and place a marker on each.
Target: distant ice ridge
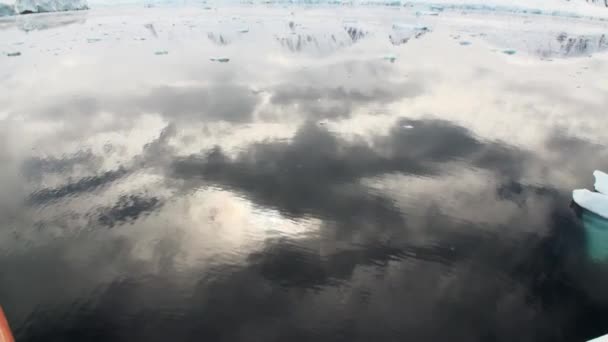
(562, 8)
(566, 8)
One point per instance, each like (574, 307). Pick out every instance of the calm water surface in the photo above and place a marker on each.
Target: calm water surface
(299, 174)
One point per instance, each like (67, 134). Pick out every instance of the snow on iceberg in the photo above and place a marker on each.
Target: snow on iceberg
(601, 182)
(592, 201)
(38, 6)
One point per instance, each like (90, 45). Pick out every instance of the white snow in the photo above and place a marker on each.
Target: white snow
(601, 182)
(592, 201)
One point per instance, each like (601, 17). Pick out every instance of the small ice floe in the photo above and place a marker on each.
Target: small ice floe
(390, 58)
(220, 59)
(509, 52)
(407, 126)
(93, 40)
(13, 54)
(465, 43)
(161, 53)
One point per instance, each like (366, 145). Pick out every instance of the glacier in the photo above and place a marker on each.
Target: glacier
(13, 7)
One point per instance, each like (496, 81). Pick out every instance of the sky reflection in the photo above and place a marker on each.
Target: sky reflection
(319, 192)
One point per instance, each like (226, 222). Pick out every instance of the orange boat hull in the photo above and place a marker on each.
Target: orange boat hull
(5, 330)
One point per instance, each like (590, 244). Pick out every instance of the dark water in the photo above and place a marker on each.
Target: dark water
(310, 188)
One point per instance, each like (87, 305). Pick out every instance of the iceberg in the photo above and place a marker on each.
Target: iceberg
(601, 182)
(39, 6)
(6, 10)
(592, 201)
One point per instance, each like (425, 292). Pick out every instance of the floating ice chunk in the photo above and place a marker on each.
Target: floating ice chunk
(429, 13)
(6, 10)
(221, 60)
(465, 43)
(161, 53)
(509, 52)
(390, 58)
(601, 181)
(93, 40)
(592, 201)
(38, 6)
(13, 54)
